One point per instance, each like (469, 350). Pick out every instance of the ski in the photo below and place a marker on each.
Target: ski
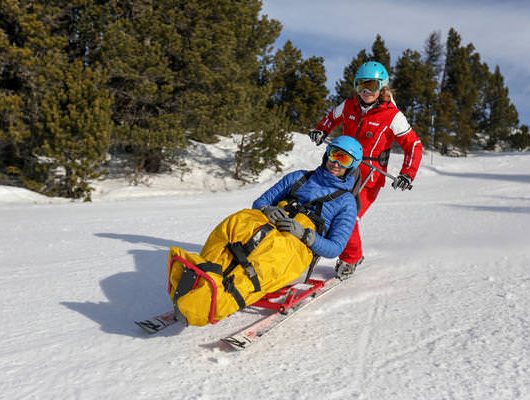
(157, 323)
(281, 302)
(251, 334)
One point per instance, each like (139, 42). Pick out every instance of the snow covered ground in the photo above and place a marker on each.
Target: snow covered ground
(439, 310)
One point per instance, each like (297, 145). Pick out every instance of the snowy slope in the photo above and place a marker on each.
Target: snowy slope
(440, 309)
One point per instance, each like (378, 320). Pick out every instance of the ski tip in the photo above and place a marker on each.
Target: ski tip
(156, 324)
(148, 326)
(236, 344)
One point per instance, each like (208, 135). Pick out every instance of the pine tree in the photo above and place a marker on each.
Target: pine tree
(285, 72)
(458, 83)
(444, 123)
(76, 126)
(28, 57)
(58, 143)
(84, 24)
(218, 62)
(380, 53)
(312, 92)
(501, 116)
(520, 140)
(262, 137)
(433, 57)
(414, 84)
(298, 86)
(14, 131)
(14, 134)
(148, 124)
(434, 51)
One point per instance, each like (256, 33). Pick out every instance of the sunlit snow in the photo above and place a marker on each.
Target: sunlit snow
(439, 310)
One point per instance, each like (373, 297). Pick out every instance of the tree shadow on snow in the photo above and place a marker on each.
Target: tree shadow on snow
(135, 295)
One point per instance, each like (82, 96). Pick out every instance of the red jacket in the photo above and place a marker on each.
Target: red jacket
(376, 129)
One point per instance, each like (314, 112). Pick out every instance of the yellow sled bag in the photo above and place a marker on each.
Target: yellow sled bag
(244, 258)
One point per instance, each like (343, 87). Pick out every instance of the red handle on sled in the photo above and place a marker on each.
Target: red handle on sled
(209, 279)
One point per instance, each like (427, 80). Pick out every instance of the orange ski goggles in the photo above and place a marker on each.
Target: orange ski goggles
(337, 155)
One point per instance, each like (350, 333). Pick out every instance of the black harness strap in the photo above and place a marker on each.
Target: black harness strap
(240, 253)
(258, 237)
(228, 283)
(294, 207)
(321, 200)
(299, 183)
(211, 267)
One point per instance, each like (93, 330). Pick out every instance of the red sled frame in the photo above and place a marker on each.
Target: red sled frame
(289, 296)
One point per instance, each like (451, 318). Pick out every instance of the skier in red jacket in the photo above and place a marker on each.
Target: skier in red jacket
(371, 117)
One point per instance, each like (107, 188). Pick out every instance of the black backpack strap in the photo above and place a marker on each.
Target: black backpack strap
(240, 253)
(293, 205)
(258, 237)
(211, 267)
(299, 183)
(319, 203)
(357, 188)
(321, 200)
(228, 283)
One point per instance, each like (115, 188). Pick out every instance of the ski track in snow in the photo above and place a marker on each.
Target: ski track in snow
(439, 310)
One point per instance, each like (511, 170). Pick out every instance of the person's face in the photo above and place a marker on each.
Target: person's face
(335, 168)
(368, 89)
(369, 97)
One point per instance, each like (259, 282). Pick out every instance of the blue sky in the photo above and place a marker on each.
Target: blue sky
(338, 29)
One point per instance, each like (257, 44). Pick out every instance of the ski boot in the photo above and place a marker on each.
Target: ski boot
(344, 270)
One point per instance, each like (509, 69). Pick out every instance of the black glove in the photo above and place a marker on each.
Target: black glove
(274, 213)
(317, 136)
(308, 236)
(402, 182)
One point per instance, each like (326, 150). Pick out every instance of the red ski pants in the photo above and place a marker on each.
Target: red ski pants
(354, 250)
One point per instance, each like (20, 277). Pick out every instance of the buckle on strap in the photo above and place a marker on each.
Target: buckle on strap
(240, 254)
(241, 251)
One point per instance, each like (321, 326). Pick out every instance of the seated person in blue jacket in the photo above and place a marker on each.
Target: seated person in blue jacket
(326, 194)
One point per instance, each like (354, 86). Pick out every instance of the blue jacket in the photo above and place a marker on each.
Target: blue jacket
(339, 215)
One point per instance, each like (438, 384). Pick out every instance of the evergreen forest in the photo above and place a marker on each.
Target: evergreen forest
(86, 81)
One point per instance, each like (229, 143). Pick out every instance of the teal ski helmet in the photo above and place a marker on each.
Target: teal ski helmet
(372, 70)
(348, 145)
